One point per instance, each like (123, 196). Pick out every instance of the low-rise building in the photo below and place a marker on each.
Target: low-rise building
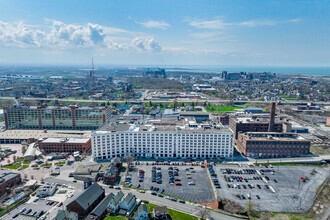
(141, 213)
(115, 202)
(86, 201)
(8, 180)
(272, 144)
(128, 203)
(47, 190)
(65, 145)
(160, 212)
(65, 215)
(100, 210)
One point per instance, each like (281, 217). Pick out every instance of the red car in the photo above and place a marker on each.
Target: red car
(140, 180)
(60, 204)
(51, 203)
(178, 184)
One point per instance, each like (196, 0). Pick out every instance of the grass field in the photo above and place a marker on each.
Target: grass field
(27, 162)
(12, 166)
(109, 217)
(175, 215)
(222, 109)
(46, 165)
(288, 97)
(318, 150)
(60, 163)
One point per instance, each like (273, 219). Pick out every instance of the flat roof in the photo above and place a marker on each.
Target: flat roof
(253, 119)
(66, 140)
(39, 134)
(164, 124)
(273, 136)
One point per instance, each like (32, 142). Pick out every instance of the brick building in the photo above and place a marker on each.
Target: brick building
(224, 119)
(87, 200)
(252, 124)
(8, 180)
(65, 145)
(271, 144)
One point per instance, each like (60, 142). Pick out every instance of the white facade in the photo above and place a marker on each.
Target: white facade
(163, 144)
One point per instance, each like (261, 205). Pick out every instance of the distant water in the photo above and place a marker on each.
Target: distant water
(312, 71)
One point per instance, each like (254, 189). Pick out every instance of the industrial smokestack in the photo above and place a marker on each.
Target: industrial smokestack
(272, 117)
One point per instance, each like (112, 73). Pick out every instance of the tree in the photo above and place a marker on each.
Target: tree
(15, 158)
(203, 212)
(32, 177)
(8, 161)
(266, 109)
(23, 149)
(25, 176)
(129, 161)
(249, 208)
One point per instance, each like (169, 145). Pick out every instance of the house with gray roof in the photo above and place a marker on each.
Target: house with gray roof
(115, 202)
(129, 202)
(100, 210)
(86, 201)
(141, 213)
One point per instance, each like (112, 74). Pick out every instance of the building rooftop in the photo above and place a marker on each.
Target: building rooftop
(7, 176)
(273, 136)
(100, 208)
(165, 124)
(40, 134)
(66, 140)
(59, 107)
(254, 119)
(88, 197)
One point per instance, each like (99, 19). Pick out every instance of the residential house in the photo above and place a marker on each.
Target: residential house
(129, 202)
(115, 202)
(100, 210)
(141, 213)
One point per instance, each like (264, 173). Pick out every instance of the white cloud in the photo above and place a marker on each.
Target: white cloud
(154, 24)
(218, 23)
(66, 36)
(146, 44)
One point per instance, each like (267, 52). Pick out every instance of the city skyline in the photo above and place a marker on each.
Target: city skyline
(254, 33)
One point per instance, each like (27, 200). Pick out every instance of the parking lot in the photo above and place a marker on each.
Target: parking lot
(278, 189)
(36, 205)
(201, 191)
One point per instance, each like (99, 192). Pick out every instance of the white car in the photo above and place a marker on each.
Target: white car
(70, 195)
(142, 191)
(191, 183)
(167, 197)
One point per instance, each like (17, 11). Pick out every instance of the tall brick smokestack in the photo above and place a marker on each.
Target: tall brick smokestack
(272, 117)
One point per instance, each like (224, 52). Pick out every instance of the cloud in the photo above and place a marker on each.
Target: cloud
(218, 23)
(146, 44)
(154, 24)
(66, 36)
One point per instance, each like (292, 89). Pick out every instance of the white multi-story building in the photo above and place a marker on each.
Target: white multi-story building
(173, 138)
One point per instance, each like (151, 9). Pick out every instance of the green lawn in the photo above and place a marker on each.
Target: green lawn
(24, 167)
(60, 163)
(27, 162)
(109, 217)
(12, 166)
(220, 109)
(46, 165)
(176, 215)
(288, 97)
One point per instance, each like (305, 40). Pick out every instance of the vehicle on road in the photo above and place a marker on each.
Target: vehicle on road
(160, 195)
(22, 210)
(191, 183)
(60, 204)
(182, 201)
(14, 216)
(34, 213)
(142, 191)
(28, 211)
(40, 213)
(154, 194)
(178, 184)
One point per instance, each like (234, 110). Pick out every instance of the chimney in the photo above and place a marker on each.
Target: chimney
(272, 117)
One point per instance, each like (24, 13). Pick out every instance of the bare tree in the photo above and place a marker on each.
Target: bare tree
(32, 177)
(203, 212)
(129, 160)
(25, 176)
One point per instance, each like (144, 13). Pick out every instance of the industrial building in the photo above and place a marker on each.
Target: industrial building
(65, 145)
(55, 117)
(173, 137)
(86, 201)
(272, 144)
(7, 180)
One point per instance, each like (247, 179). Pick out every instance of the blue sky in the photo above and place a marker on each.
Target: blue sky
(254, 33)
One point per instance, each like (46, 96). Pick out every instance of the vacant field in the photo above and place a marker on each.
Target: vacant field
(221, 109)
(320, 150)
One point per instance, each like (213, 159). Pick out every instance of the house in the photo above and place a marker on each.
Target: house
(129, 202)
(141, 213)
(115, 202)
(47, 190)
(65, 215)
(100, 210)
(87, 200)
(111, 174)
(161, 212)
